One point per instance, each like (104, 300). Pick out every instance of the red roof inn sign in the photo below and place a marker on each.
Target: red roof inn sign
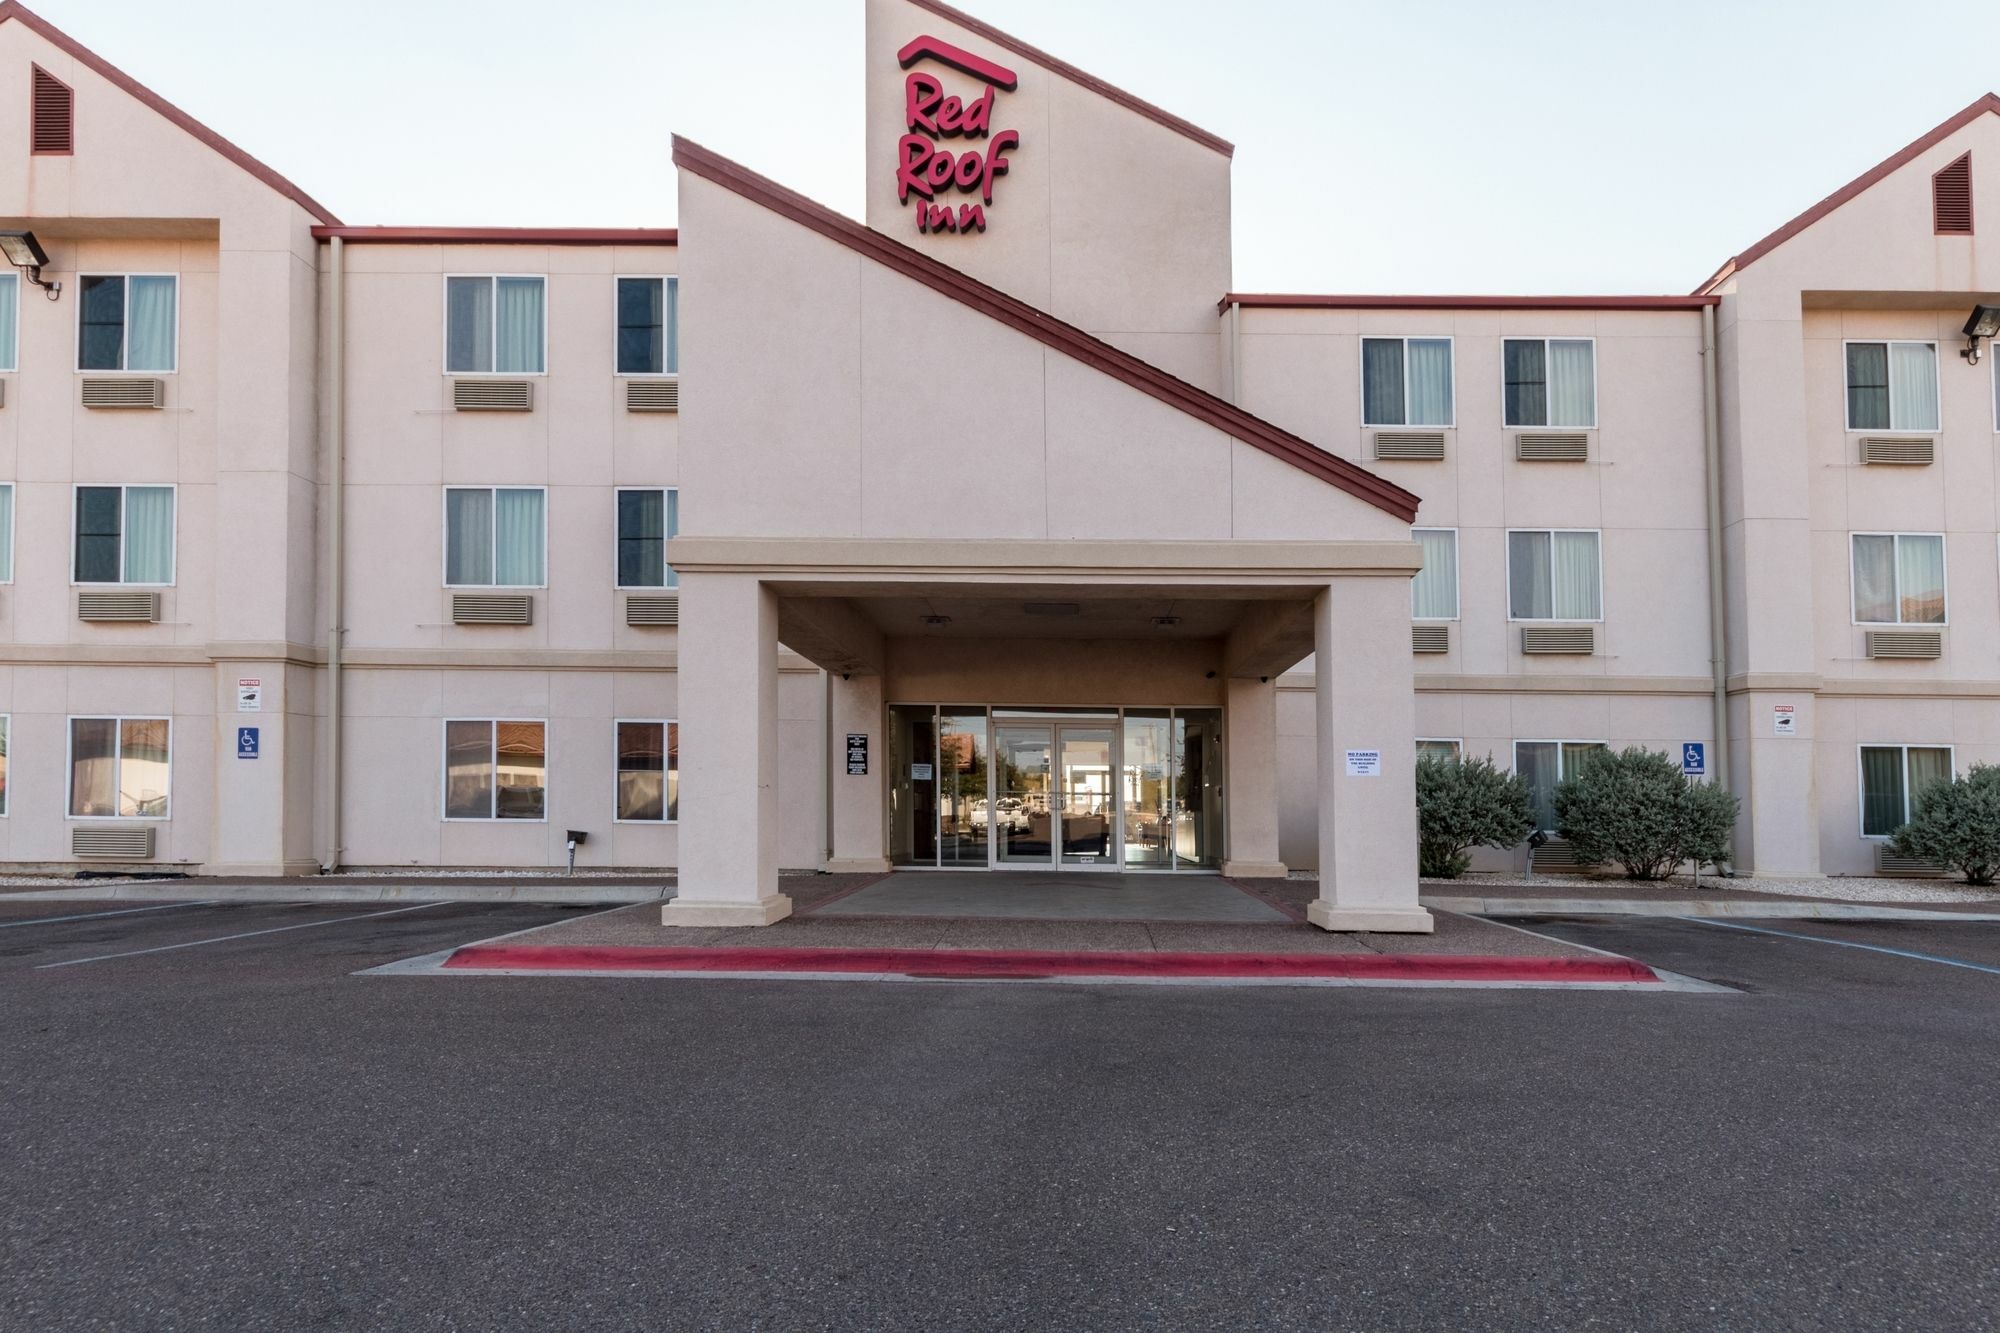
(927, 168)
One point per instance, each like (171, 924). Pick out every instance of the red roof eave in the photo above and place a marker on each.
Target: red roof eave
(1300, 300)
(501, 235)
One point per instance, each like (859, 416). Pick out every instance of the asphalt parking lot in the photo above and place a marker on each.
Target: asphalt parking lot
(208, 1121)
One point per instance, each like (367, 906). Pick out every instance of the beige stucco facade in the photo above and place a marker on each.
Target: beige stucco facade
(1048, 467)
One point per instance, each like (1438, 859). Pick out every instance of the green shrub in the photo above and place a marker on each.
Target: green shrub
(1462, 804)
(1956, 823)
(1635, 808)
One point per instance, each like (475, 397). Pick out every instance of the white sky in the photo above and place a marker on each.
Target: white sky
(1583, 146)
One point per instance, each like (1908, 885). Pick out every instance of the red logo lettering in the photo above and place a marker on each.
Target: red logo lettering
(924, 167)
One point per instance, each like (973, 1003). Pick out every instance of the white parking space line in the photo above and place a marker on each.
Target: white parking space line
(224, 939)
(92, 916)
(1846, 944)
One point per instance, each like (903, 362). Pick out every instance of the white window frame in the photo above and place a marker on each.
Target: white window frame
(444, 328)
(174, 553)
(617, 491)
(1937, 387)
(662, 722)
(1361, 372)
(1861, 779)
(14, 489)
(1458, 587)
(1514, 757)
(125, 317)
(616, 278)
(1457, 744)
(20, 287)
(1596, 402)
(117, 782)
(493, 742)
(1896, 568)
(444, 553)
(7, 753)
(1553, 620)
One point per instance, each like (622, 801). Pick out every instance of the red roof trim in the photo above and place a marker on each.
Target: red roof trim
(1048, 330)
(13, 9)
(1068, 71)
(1902, 158)
(501, 235)
(1275, 300)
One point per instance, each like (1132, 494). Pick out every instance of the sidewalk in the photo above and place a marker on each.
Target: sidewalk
(1810, 900)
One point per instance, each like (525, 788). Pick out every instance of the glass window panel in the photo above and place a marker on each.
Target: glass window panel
(1576, 753)
(468, 537)
(1572, 392)
(518, 340)
(100, 324)
(468, 770)
(519, 537)
(7, 533)
(1382, 381)
(673, 770)
(10, 321)
(1429, 376)
(642, 770)
(150, 323)
(1874, 579)
(1927, 764)
(642, 539)
(1574, 577)
(468, 337)
(641, 326)
(149, 534)
(1438, 750)
(1199, 808)
(1920, 579)
(1881, 790)
(93, 767)
(1525, 362)
(965, 816)
(1537, 762)
(913, 784)
(1913, 386)
(1867, 386)
(673, 326)
(98, 510)
(1434, 591)
(142, 768)
(1528, 576)
(523, 766)
(6, 728)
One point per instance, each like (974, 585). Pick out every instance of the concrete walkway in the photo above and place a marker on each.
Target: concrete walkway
(1012, 895)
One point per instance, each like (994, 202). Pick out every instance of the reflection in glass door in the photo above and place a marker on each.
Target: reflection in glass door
(1147, 766)
(1023, 813)
(1089, 801)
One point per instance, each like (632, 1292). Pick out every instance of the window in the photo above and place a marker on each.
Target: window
(1554, 575)
(1551, 382)
(646, 520)
(10, 321)
(6, 532)
(1892, 776)
(495, 770)
(1434, 591)
(495, 325)
(124, 534)
(1892, 386)
(649, 772)
(118, 767)
(649, 326)
(127, 321)
(495, 536)
(1546, 763)
(1406, 382)
(1437, 749)
(1898, 578)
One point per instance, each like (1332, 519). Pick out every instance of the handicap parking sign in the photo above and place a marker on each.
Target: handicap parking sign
(246, 742)
(1694, 759)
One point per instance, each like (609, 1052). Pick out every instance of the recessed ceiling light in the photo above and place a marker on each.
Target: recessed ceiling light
(939, 621)
(1166, 622)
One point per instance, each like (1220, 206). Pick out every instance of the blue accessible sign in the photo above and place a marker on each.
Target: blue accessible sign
(1694, 759)
(246, 742)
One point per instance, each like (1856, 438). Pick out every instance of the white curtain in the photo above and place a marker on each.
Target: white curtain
(1528, 575)
(518, 348)
(7, 533)
(149, 330)
(149, 534)
(1574, 591)
(1928, 764)
(1920, 580)
(1875, 580)
(518, 525)
(468, 537)
(1913, 396)
(673, 326)
(1434, 591)
(468, 325)
(1429, 374)
(10, 312)
(673, 530)
(1536, 762)
(1572, 383)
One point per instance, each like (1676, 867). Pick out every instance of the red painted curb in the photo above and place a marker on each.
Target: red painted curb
(1026, 963)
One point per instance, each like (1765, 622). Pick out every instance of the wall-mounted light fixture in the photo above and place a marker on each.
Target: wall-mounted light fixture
(1984, 323)
(24, 252)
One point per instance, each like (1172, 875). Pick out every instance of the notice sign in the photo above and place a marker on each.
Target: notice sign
(920, 772)
(249, 695)
(1784, 720)
(857, 754)
(1364, 763)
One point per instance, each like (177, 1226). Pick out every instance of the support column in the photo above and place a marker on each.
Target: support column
(1250, 730)
(1367, 730)
(729, 754)
(859, 834)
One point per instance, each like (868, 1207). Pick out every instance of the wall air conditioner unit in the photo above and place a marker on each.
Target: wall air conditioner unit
(1887, 862)
(653, 609)
(1409, 445)
(1898, 449)
(1574, 640)
(493, 395)
(1552, 446)
(1905, 644)
(134, 607)
(653, 395)
(100, 842)
(101, 391)
(487, 608)
(1430, 638)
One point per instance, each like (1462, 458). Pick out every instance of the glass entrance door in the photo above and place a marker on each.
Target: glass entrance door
(1088, 799)
(1023, 815)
